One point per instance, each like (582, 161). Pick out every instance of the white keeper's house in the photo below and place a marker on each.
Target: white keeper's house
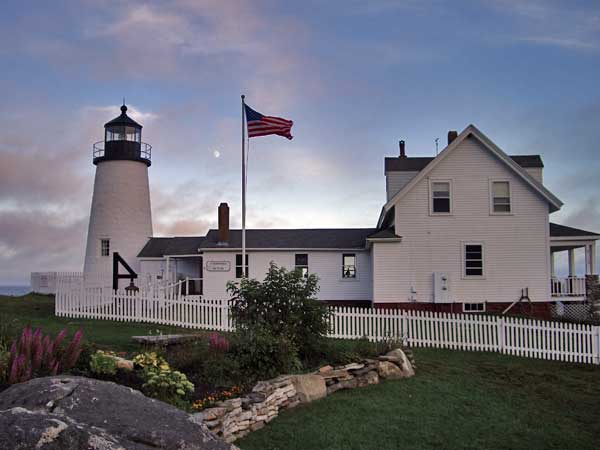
(467, 230)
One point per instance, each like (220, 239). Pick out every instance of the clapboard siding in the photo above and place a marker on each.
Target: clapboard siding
(536, 173)
(516, 246)
(394, 181)
(391, 272)
(326, 264)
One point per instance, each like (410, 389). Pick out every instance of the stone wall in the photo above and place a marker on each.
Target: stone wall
(235, 418)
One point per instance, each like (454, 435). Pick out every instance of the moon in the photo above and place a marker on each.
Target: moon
(216, 153)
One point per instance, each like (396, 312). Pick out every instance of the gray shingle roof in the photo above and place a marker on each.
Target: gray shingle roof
(418, 163)
(314, 238)
(319, 238)
(557, 230)
(388, 233)
(161, 246)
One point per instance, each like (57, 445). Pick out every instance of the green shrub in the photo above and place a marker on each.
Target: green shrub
(160, 381)
(262, 354)
(167, 385)
(206, 364)
(103, 363)
(283, 304)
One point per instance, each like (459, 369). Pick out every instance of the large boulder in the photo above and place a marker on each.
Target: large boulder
(75, 413)
(402, 362)
(309, 387)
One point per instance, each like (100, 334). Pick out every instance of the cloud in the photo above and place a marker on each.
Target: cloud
(550, 23)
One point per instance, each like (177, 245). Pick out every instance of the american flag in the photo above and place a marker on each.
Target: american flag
(259, 125)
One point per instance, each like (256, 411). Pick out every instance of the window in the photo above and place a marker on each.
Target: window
(473, 260)
(238, 266)
(440, 197)
(501, 197)
(348, 265)
(44, 281)
(473, 307)
(302, 263)
(104, 247)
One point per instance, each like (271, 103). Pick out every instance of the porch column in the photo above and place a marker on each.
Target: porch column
(571, 262)
(593, 260)
(167, 270)
(552, 265)
(588, 259)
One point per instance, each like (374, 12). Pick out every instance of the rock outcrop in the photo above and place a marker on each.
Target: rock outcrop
(75, 413)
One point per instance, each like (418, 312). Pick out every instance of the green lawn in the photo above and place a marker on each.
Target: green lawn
(458, 400)
(38, 311)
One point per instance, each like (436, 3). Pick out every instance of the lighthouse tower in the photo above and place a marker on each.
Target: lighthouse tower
(120, 219)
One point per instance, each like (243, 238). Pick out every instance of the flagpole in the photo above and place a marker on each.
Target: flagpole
(243, 188)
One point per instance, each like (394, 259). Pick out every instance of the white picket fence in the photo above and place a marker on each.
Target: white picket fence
(508, 335)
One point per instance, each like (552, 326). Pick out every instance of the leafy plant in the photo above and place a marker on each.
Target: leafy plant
(167, 385)
(160, 381)
(262, 354)
(35, 355)
(283, 304)
(151, 361)
(103, 363)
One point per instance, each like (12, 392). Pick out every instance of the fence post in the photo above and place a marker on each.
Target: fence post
(501, 332)
(596, 344)
(405, 338)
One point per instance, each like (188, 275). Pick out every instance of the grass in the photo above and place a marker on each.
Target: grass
(458, 400)
(38, 311)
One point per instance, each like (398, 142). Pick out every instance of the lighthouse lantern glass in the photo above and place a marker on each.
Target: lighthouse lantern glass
(123, 133)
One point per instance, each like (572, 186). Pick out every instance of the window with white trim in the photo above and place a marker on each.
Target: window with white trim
(473, 307)
(501, 197)
(301, 263)
(349, 265)
(104, 247)
(472, 260)
(441, 197)
(238, 266)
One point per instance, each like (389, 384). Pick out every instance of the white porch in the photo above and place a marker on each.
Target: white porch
(574, 244)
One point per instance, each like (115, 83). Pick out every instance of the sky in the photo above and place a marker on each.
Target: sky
(355, 76)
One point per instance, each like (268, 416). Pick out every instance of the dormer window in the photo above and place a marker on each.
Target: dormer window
(441, 196)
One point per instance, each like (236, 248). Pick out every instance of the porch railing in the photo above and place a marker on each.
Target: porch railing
(568, 287)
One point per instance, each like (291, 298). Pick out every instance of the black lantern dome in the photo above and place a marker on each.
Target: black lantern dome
(122, 141)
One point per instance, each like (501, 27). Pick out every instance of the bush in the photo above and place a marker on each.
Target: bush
(160, 381)
(283, 304)
(206, 364)
(262, 354)
(103, 363)
(35, 355)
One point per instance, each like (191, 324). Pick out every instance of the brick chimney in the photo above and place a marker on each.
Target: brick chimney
(223, 223)
(402, 149)
(451, 136)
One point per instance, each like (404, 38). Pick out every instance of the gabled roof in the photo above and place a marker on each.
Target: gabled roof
(312, 238)
(418, 163)
(557, 230)
(161, 246)
(472, 130)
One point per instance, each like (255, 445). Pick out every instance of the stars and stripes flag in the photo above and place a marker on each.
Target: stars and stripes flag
(261, 125)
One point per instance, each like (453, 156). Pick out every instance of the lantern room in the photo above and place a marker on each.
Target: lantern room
(122, 141)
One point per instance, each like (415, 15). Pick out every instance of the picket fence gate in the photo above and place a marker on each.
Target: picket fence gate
(478, 332)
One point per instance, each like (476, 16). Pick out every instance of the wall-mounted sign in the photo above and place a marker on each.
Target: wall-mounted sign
(218, 266)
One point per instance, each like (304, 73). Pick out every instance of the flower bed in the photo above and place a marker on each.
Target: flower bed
(234, 418)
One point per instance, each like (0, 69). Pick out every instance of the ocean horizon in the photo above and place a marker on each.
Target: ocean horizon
(15, 291)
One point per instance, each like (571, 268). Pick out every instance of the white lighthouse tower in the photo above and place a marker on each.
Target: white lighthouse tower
(120, 219)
